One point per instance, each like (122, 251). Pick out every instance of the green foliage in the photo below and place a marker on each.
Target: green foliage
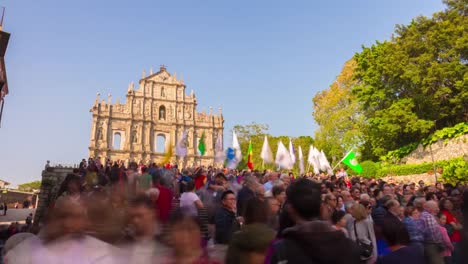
(35, 185)
(447, 133)
(415, 82)
(244, 132)
(410, 169)
(442, 134)
(369, 169)
(455, 171)
(337, 113)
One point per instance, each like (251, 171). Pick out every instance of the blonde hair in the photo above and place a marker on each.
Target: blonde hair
(359, 212)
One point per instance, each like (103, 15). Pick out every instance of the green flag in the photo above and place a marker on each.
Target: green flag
(352, 162)
(201, 144)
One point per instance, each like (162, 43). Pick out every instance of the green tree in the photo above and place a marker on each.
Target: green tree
(35, 185)
(337, 112)
(244, 132)
(417, 81)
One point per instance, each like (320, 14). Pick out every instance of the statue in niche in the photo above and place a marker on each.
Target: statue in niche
(163, 94)
(134, 136)
(170, 111)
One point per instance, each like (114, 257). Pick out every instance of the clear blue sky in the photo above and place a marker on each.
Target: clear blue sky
(261, 60)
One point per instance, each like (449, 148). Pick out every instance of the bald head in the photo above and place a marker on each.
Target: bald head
(431, 207)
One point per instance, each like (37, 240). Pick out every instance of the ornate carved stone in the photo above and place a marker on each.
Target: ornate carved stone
(141, 125)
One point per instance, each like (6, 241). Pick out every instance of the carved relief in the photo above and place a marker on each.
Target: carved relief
(176, 106)
(148, 109)
(188, 112)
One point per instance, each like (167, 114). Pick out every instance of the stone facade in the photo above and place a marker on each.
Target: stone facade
(453, 148)
(157, 112)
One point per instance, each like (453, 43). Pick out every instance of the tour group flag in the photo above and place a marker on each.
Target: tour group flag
(181, 146)
(201, 144)
(169, 153)
(351, 161)
(301, 162)
(233, 154)
(249, 160)
(324, 164)
(220, 156)
(236, 146)
(292, 152)
(283, 158)
(266, 155)
(313, 159)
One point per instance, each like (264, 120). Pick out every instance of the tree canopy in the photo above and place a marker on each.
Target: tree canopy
(35, 185)
(399, 91)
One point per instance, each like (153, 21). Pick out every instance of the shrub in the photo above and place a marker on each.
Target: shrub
(455, 171)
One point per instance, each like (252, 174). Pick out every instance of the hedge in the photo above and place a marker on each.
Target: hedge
(453, 170)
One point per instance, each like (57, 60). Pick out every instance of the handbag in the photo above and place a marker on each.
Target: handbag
(365, 248)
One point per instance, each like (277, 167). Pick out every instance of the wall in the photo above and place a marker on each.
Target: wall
(52, 178)
(426, 177)
(453, 148)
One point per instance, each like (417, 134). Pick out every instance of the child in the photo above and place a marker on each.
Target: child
(447, 253)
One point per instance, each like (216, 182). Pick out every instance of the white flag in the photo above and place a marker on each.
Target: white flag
(324, 164)
(283, 158)
(266, 155)
(292, 152)
(301, 162)
(181, 147)
(234, 154)
(313, 159)
(220, 156)
(236, 146)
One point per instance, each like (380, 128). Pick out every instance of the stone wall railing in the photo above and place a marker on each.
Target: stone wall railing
(453, 148)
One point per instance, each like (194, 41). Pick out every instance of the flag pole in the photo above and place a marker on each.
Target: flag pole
(342, 159)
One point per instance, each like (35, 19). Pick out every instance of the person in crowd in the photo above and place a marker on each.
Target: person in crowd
(393, 210)
(339, 221)
(247, 192)
(397, 238)
(447, 244)
(273, 213)
(446, 207)
(226, 222)
(340, 203)
(71, 188)
(309, 240)
(380, 211)
(328, 207)
(415, 227)
(250, 244)
(64, 238)
(189, 200)
(165, 198)
(185, 239)
(143, 245)
(362, 231)
(432, 236)
(272, 177)
(145, 180)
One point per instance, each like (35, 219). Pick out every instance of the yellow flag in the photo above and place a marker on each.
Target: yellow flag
(168, 156)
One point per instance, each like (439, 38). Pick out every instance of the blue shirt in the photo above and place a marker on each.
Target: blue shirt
(268, 186)
(415, 229)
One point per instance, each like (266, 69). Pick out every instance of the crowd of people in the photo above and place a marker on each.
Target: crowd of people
(140, 213)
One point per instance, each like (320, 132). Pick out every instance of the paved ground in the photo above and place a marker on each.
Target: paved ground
(15, 215)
